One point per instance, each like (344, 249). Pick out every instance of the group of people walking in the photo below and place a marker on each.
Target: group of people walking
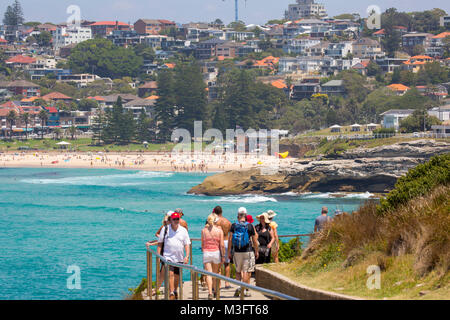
(223, 243)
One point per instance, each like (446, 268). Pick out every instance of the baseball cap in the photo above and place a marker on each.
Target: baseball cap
(249, 219)
(242, 210)
(175, 215)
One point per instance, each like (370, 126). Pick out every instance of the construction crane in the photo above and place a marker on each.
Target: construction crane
(236, 9)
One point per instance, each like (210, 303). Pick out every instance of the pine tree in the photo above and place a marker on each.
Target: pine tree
(143, 127)
(98, 127)
(165, 105)
(13, 15)
(127, 127)
(191, 99)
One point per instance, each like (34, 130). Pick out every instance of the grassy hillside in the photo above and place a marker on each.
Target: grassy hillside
(407, 236)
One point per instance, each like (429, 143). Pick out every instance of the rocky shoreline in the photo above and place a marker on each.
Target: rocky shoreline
(373, 170)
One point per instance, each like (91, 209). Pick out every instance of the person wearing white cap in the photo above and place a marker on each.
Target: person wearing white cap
(276, 244)
(244, 240)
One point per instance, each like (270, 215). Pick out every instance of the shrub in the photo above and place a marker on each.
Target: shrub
(289, 250)
(418, 182)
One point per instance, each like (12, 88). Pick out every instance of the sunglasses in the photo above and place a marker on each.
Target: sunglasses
(176, 219)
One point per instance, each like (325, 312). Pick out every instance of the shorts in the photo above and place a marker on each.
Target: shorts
(227, 258)
(244, 261)
(175, 270)
(211, 257)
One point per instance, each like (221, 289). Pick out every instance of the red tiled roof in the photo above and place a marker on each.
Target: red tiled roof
(21, 59)
(280, 84)
(442, 35)
(109, 23)
(381, 31)
(97, 98)
(51, 109)
(398, 87)
(3, 41)
(56, 96)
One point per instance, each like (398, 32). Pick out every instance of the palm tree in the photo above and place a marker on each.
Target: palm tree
(43, 115)
(11, 117)
(72, 131)
(57, 132)
(26, 119)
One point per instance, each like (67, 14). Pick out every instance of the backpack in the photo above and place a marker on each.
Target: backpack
(240, 235)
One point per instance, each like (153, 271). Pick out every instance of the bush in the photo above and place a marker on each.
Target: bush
(289, 250)
(418, 182)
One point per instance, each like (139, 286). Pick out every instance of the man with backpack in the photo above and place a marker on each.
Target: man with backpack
(244, 241)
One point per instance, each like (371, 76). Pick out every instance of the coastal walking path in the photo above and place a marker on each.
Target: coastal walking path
(225, 294)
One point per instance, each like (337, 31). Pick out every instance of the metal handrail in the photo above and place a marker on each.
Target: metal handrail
(194, 276)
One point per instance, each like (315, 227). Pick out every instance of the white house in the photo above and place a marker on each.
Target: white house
(442, 112)
(299, 46)
(64, 36)
(392, 118)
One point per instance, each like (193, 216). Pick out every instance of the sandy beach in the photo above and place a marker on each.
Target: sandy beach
(166, 162)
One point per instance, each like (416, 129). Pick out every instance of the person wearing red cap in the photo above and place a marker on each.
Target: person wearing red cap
(173, 244)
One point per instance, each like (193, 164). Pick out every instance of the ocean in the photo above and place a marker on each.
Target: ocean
(98, 220)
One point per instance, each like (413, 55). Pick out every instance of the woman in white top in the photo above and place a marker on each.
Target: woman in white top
(213, 250)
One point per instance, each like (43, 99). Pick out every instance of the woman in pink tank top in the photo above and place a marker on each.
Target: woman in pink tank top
(213, 250)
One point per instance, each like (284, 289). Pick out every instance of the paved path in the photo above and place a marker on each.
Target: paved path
(225, 294)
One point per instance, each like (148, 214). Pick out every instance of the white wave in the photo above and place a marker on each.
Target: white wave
(366, 195)
(246, 198)
(105, 180)
(330, 195)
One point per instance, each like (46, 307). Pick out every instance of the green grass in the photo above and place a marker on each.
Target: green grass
(83, 145)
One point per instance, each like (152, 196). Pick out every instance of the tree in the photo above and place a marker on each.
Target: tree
(11, 118)
(391, 40)
(3, 67)
(143, 127)
(72, 131)
(57, 133)
(190, 92)
(14, 15)
(43, 116)
(418, 121)
(98, 127)
(87, 105)
(144, 51)
(102, 57)
(373, 69)
(165, 105)
(26, 119)
(44, 39)
(237, 26)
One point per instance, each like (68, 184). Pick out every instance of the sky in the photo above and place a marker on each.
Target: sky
(183, 11)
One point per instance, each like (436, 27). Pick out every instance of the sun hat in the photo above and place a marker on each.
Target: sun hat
(271, 214)
(249, 219)
(242, 210)
(265, 216)
(175, 215)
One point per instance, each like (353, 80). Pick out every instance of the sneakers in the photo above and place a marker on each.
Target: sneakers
(247, 293)
(172, 296)
(237, 293)
(210, 297)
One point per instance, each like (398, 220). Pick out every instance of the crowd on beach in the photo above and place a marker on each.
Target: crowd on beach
(223, 243)
(184, 162)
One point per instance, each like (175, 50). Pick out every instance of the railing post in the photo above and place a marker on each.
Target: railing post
(194, 284)
(166, 282)
(190, 254)
(180, 297)
(242, 293)
(157, 277)
(217, 289)
(149, 275)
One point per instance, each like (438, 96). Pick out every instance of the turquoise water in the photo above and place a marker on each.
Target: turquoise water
(99, 220)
